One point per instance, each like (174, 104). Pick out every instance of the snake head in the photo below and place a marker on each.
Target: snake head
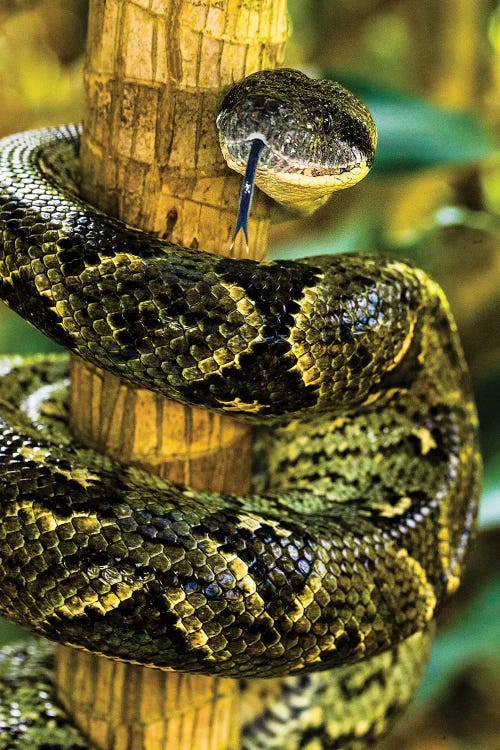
(318, 137)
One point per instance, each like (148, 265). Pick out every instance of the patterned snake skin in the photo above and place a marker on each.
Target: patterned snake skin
(366, 472)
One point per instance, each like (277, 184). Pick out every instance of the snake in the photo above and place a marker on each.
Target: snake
(326, 577)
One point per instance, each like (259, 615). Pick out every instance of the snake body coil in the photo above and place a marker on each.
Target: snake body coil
(365, 495)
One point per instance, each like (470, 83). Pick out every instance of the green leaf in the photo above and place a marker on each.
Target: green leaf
(489, 510)
(19, 337)
(414, 134)
(354, 234)
(475, 636)
(488, 405)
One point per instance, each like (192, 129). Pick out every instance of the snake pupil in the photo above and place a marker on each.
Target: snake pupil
(247, 187)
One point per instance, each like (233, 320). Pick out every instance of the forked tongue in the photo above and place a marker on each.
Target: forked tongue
(247, 188)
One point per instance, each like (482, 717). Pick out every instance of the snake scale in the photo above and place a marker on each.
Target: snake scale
(327, 576)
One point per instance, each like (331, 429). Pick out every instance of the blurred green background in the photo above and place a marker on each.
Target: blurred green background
(430, 73)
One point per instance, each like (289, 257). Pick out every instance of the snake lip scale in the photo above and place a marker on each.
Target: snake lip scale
(367, 467)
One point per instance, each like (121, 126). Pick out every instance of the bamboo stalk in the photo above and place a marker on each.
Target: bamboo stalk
(155, 73)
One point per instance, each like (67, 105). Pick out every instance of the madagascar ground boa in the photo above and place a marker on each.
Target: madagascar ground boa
(366, 439)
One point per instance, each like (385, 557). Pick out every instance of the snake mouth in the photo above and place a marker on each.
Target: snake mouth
(282, 160)
(294, 183)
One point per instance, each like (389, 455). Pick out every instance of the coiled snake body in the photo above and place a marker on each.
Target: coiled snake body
(366, 488)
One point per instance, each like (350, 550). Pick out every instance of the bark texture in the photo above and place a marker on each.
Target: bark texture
(155, 74)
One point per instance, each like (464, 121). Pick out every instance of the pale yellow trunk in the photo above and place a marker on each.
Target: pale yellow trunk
(155, 74)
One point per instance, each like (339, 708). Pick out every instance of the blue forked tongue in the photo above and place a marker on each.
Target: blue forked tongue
(247, 188)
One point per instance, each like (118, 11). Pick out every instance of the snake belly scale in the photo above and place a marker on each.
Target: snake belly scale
(366, 480)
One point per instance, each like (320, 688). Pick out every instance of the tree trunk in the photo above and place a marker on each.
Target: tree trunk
(155, 74)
